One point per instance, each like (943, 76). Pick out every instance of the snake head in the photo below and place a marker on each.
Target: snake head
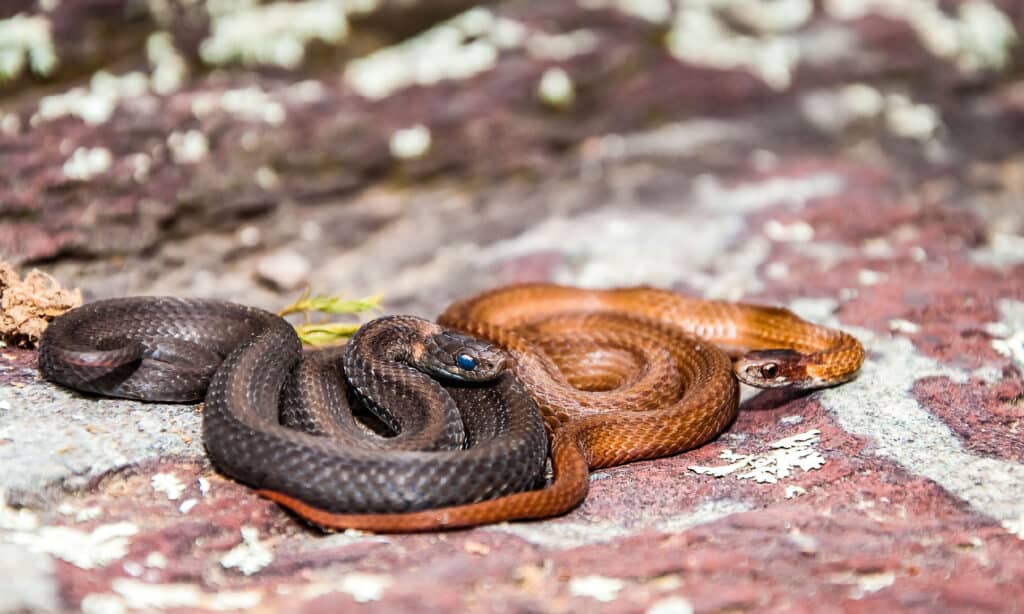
(456, 356)
(773, 369)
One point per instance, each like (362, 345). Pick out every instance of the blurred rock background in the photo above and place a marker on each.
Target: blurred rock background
(856, 160)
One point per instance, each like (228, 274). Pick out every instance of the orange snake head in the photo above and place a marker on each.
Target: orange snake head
(455, 356)
(775, 369)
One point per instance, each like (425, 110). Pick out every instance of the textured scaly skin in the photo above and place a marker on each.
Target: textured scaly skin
(153, 348)
(619, 375)
(659, 379)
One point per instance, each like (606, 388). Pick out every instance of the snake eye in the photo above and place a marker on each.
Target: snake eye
(465, 362)
(770, 370)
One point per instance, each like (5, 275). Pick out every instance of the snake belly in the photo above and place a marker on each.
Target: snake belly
(243, 361)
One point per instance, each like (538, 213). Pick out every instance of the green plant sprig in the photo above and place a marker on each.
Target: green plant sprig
(325, 332)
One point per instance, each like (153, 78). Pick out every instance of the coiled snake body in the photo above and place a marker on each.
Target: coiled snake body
(619, 375)
(242, 358)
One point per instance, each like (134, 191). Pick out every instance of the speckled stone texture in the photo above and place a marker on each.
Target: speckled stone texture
(859, 163)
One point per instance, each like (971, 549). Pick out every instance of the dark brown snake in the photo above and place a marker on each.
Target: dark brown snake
(619, 375)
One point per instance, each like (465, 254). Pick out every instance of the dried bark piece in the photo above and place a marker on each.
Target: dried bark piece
(27, 305)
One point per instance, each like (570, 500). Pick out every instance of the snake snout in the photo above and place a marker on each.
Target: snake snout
(478, 362)
(781, 368)
(460, 357)
(492, 361)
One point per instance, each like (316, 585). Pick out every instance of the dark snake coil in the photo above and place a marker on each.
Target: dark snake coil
(278, 422)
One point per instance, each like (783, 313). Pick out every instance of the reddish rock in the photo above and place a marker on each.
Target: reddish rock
(986, 416)
(663, 171)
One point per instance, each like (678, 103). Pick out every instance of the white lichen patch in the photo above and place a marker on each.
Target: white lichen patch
(770, 16)
(797, 232)
(16, 519)
(1011, 347)
(600, 588)
(867, 277)
(274, 34)
(88, 513)
(267, 178)
(133, 568)
(753, 196)
(252, 104)
(986, 35)
(698, 36)
(806, 543)
(836, 110)
(102, 603)
(462, 47)
(777, 270)
(169, 484)
(1009, 331)
(133, 595)
(169, 67)
(188, 147)
(671, 605)
(680, 139)
(560, 47)
(861, 99)
(556, 89)
(103, 545)
(793, 491)
(87, 162)
(10, 123)
(795, 452)
(872, 583)
(1015, 525)
(410, 143)
(96, 103)
(141, 164)
(1003, 250)
(250, 556)
(850, 105)
(156, 560)
(909, 119)
(364, 587)
(247, 103)
(878, 248)
(204, 486)
(899, 325)
(863, 584)
(655, 11)
(307, 91)
(978, 37)
(26, 41)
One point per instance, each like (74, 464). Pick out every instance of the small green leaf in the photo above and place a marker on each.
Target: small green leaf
(323, 333)
(331, 304)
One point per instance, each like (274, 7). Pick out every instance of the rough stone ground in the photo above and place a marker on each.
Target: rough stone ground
(858, 162)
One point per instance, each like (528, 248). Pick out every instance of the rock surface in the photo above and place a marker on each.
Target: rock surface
(859, 165)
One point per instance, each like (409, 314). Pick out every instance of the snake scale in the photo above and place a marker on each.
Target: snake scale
(415, 425)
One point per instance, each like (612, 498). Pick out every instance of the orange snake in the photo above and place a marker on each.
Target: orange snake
(621, 375)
